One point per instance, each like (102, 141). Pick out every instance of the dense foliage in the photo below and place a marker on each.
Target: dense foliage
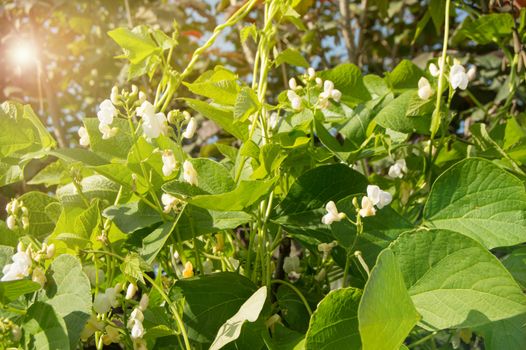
(223, 193)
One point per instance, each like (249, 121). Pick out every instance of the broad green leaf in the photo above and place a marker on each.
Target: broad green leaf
(221, 116)
(249, 311)
(220, 85)
(87, 224)
(404, 76)
(211, 300)
(117, 146)
(132, 216)
(137, 44)
(334, 324)
(480, 200)
(7, 237)
(270, 158)
(95, 186)
(154, 242)
(394, 115)
(242, 197)
(293, 57)
(197, 221)
(133, 267)
(122, 175)
(292, 309)
(454, 281)
(45, 328)
(313, 189)
(11, 290)
(51, 175)
(284, 339)
(437, 9)
(515, 262)
(68, 290)
(212, 177)
(246, 104)
(504, 334)
(10, 173)
(348, 79)
(489, 28)
(40, 224)
(386, 314)
(78, 155)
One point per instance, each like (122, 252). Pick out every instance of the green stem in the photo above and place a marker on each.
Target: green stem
(422, 340)
(297, 291)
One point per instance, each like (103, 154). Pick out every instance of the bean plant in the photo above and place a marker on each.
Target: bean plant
(346, 211)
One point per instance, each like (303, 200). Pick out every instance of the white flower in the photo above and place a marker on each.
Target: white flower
(319, 82)
(327, 247)
(398, 169)
(169, 162)
(189, 173)
(84, 137)
(112, 335)
(434, 70)
(136, 315)
(378, 197)
(367, 208)
(336, 95)
(472, 72)
(311, 72)
(106, 112)
(424, 89)
(130, 292)
(142, 97)
(137, 330)
(170, 202)
(291, 264)
(11, 222)
(458, 77)
(328, 92)
(50, 251)
(292, 84)
(107, 131)
(190, 129)
(19, 268)
(143, 303)
(295, 100)
(146, 108)
(154, 125)
(332, 214)
(105, 301)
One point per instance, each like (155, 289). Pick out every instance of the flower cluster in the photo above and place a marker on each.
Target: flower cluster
(169, 162)
(398, 169)
(135, 323)
(104, 301)
(106, 113)
(17, 214)
(26, 262)
(458, 77)
(329, 92)
(171, 203)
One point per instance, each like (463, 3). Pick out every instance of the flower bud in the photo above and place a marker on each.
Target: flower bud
(190, 129)
(11, 222)
(134, 90)
(143, 303)
(142, 97)
(292, 84)
(114, 96)
(311, 72)
(188, 270)
(39, 276)
(130, 292)
(50, 251)
(25, 222)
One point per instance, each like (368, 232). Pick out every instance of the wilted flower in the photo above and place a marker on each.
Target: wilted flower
(189, 173)
(83, 136)
(458, 77)
(424, 89)
(327, 247)
(188, 270)
(190, 129)
(378, 197)
(398, 169)
(93, 325)
(332, 214)
(169, 162)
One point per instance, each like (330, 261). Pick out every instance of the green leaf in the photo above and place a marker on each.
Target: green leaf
(220, 85)
(292, 309)
(212, 177)
(133, 267)
(348, 79)
(293, 57)
(78, 155)
(95, 186)
(455, 282)
(404, 76)
(154, 242)
(211, 300)
(249, 311)
(394, 115)
(437, 9)
(242, 197)
(122, 175)
(480, 200)
(221, 116)
(505, 334)
(515, 262)
(136, 43)
(386, 314)
(117, 146)
(132, 216)
(246, 104)
(489, 28)
(68, 290)
(40, 224)
(334, 324)
(11, 290)
(45, 328)
(284, 339)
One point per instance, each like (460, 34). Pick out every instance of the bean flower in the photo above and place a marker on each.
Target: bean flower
(83, 136)
(19, 268)
(367, 208)
(169, 162)
(378, 197)
(458, 77)
(105, 301)
(332, 214)
(189, 173)
(295, 100)
(328, 92)
(424, 89)
(190, 129)
(398, 169)
(188, 270)
(153, 124)
(107, 112)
